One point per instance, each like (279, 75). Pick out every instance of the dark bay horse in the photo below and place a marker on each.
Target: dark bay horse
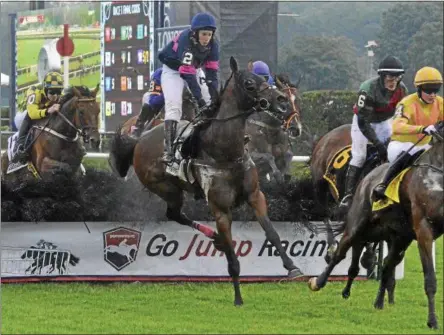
(54, 142)
(269, 144)
(411, 218)
(323, 152)
(223, 172)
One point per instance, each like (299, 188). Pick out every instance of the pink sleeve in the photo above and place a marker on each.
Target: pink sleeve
(187, 69)
(212, 64)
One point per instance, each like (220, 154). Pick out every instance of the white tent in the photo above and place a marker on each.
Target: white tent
(4, 80)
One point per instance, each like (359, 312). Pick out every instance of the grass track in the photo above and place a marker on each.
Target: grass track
(28, 50)
(207, 308)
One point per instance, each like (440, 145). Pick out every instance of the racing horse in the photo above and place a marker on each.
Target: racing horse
(268, 140)
(269, 144)
(222, 170)
(55, 143)
(330, 189)
(403, 221)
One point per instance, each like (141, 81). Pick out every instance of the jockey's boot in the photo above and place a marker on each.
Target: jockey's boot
(20, 154)
(391, 173)
(141, 119)
(350, 184)
(170, 135)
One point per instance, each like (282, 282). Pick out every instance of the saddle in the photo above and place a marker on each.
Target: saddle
(336, 171)
(16, 166)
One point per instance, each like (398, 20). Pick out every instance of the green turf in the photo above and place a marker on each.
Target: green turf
(28, 50)
(207, 308)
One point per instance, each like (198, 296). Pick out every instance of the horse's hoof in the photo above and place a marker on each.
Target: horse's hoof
(379, 305)
(312, 284)
(433, 324)
(346, 294)
(238, 302)
(295, 273)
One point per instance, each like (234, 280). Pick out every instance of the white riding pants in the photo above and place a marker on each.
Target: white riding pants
(172, 87)
(396, 147)
(383, 132)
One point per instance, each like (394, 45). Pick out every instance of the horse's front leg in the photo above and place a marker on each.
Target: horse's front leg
(257, 201)
(223, 223)
(424, 236)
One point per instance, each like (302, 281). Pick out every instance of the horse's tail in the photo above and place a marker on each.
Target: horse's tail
(73, 260)
(334, 229)
(121, 153)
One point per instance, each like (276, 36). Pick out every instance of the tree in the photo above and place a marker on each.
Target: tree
(426, 48)
(325, 62)
(399, 25)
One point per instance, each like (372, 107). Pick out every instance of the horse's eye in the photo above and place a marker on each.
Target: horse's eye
(281, 99)
(249, 85)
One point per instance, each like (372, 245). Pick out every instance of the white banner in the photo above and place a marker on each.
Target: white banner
(164, 251)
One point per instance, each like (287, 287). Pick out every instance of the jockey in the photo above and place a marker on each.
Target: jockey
(373, 111)
(152, 103)
(261, 69)
(41, 101)
(182, 59)
(415, 119)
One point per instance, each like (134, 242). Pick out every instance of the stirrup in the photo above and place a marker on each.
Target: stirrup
(346, 201)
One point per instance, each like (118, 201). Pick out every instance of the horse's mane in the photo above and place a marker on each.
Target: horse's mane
(69, 93)
(284, 78)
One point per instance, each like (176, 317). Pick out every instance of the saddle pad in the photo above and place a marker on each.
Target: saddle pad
(391, 193)
(338, 163)
(11, 143)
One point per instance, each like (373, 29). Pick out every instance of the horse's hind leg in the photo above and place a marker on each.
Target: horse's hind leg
(173, 196)
(223, 221)
(394, 257)
(353, 270)
(257, 201)
(321, 195)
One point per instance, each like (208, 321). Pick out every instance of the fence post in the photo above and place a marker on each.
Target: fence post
(13, 78)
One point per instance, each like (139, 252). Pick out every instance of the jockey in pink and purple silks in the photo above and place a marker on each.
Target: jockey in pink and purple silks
(191, 57)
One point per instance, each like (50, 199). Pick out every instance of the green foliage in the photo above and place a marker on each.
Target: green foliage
(425, 49)
(325, 62)
(322, 111)
(412, 32)
(358, 21)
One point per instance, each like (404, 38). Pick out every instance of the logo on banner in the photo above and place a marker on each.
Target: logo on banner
(47, 258)
(121, 246)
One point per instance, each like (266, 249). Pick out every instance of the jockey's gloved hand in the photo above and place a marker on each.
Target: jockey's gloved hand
(382, 151)
(429, 130)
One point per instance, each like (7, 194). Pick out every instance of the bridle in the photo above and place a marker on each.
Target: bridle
(82, 131)
(295, 110)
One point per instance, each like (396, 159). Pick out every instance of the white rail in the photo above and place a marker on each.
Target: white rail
(104, 155)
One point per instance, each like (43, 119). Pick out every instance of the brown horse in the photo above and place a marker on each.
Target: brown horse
(323, 153)
(221, 170)
(269, 144)
(54, 142)
(411, 218)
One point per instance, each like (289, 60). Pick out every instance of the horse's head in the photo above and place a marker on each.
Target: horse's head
(293, 125)
(88, 116)
(86, 112)
(253, 93)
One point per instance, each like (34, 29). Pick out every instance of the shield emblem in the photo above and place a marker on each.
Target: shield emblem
(120, 246)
